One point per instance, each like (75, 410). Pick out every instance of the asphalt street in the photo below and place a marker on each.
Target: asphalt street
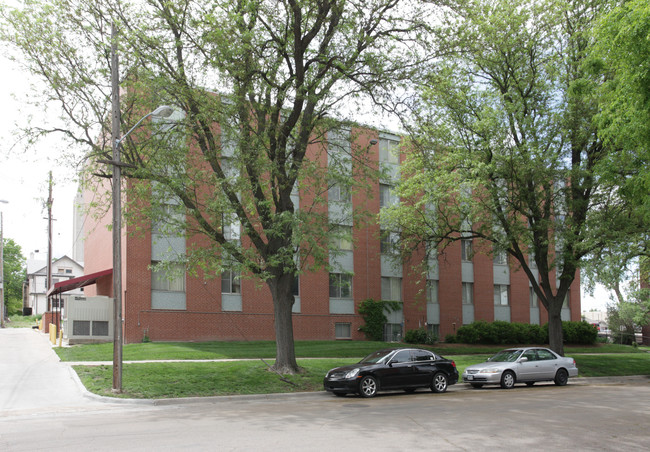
(44, 407)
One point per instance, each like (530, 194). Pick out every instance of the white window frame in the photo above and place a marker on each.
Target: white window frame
(501, 295)
(393, 285)
(340, 286)
(232, 281)
(163, 282)
(468, 293)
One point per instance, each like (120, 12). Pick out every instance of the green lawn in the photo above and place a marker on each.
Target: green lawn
(169, 380)
(266, 349)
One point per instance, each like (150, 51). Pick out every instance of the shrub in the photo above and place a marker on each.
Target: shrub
(420, 336)
(451, 339)
(374, 317)
(500, 333)
(581, 333)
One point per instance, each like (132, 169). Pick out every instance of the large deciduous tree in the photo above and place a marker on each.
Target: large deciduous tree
(505, 149)
(256, 85)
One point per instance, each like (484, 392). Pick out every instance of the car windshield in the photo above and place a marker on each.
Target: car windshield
(506, 356)
(376, 357)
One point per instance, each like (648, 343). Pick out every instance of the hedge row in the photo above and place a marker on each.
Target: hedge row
(500, 332)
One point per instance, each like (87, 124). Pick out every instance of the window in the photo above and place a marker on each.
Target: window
(170, 221)
(466, 250)
(338, 193)
(100, 328)
(533, 299)
(341, 238)
(386, 196)
(501, 295)
(391, 288)
(230, 282)
(389, 151)
(531, 261)
(389, 242)
(340, 285)
(168, 279)
(68, 270)
(434, 329)
(530, 355)
(295, 288)
(543, 355)
(468, 293)
(500, 258)
(342, 330)
(392, 332)
(432, 291)
(403, 356)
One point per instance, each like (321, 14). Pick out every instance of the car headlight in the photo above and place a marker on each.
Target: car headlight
(489, 371)
(353, 373)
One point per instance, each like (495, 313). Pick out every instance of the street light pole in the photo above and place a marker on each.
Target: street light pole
(117, 218)
(163, 111)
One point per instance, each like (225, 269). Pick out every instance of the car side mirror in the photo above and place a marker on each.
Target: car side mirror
(523, 359)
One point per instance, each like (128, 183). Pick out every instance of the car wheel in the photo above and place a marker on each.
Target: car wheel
(508, 379)
(368, 386)
(339, 394)
(530, 383)
(477, 385)
(439, 382)
(561, 377)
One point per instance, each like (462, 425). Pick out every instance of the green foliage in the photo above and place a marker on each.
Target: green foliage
(374, 316)
(581, 333)
(507, 333)
(420, 336)
(15, 273)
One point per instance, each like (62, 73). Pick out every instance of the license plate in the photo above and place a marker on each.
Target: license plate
(470, 377)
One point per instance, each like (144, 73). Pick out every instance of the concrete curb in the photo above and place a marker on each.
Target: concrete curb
(580, 381)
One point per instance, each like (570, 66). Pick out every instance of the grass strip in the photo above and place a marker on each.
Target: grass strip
(266, 349)
(172, 380)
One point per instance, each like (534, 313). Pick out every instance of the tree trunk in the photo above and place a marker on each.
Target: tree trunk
(283, 299)
(555, 336)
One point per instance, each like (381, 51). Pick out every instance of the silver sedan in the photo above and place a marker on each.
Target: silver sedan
(521, 365)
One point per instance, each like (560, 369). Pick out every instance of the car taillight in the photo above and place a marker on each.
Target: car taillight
(453, 363)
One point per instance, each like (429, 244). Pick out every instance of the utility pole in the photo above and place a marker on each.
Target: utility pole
(48, 279)
(117, 217)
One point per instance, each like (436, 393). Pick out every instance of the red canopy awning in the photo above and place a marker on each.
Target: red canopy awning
(76, 283)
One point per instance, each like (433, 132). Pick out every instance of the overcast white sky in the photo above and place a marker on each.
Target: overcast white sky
(24, 176)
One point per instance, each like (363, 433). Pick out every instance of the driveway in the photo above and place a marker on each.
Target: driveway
(32, 378)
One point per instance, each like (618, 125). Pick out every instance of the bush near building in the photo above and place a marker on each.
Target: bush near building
(500, 332)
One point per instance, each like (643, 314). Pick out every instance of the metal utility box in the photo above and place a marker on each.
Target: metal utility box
(88, 320)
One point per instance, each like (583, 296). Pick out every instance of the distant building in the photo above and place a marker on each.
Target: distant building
(78, 218)
(63, 268)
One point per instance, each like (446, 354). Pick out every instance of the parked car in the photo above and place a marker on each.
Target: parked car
(400, 368)
(521, 365)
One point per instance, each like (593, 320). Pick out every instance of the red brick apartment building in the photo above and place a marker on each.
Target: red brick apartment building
(461, 287)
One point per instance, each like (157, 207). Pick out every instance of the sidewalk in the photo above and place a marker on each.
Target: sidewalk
(32, 377)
